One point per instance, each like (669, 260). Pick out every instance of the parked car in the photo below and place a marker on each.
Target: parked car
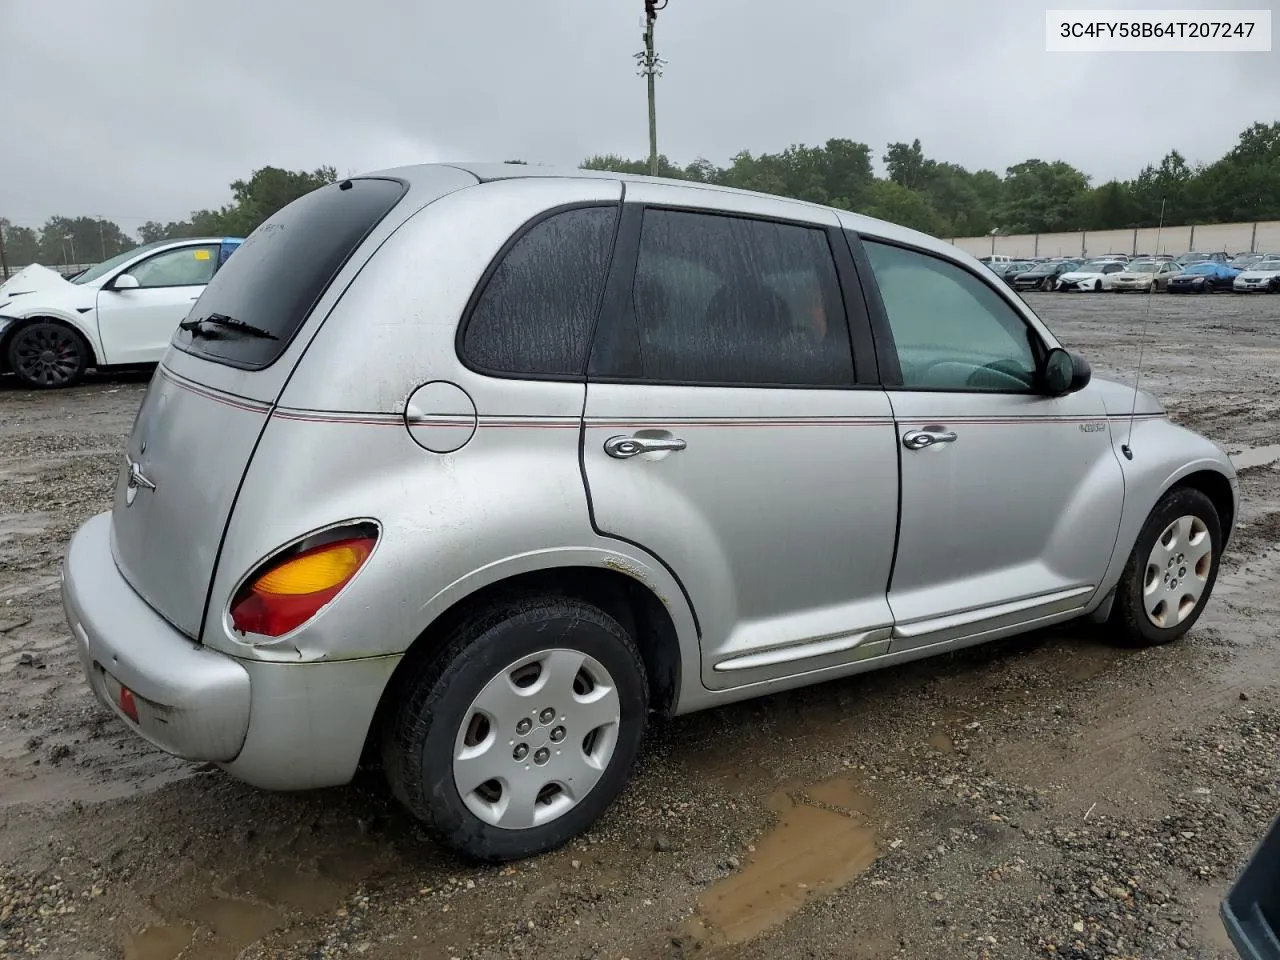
(1262, 277)
(1043, 276)
(1150, 276)
(1093, 275)
(1243, 261)
(602, 422)
(1187, 259)
(1251, 909)
(1012, 270)
(120, 313)
(1204, 277)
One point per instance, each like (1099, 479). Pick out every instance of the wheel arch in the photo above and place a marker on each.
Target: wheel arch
(7, 335)
(1217, 487)
(629, 600)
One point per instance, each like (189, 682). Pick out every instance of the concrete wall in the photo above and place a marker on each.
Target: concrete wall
(1263, 237)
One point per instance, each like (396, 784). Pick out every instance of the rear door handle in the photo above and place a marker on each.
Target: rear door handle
(919, 439)
(622, 448)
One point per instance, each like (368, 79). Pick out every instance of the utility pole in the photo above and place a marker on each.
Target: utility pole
(650, 67)
(4, 261)
(102, 238)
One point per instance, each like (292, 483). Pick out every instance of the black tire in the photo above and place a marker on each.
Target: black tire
(47, 355)
(1129, 618)
(1097, 286)
(436, 695)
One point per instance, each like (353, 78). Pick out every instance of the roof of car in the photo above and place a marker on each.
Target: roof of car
(491, 171)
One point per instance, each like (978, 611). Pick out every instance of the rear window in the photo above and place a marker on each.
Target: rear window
(281, 270)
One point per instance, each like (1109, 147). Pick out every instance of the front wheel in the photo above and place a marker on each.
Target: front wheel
(1171, 571)
(522, 731)
(48, 355)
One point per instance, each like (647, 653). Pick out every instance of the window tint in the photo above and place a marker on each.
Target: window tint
(537, 310)
(720, 299)
(951, 330)
(184, 267)
(278, 273)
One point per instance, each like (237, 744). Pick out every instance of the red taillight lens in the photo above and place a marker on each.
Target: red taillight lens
(288, 592)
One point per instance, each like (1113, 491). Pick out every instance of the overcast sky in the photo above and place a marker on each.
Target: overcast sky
(146, 109)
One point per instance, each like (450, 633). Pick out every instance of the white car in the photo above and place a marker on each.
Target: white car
(119, 313)
(1094, 275)
(1263, 277)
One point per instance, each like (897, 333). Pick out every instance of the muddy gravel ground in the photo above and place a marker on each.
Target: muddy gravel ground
(1043, 796)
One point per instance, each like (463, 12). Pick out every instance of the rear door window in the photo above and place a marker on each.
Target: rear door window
(732, 301)
(279, 272)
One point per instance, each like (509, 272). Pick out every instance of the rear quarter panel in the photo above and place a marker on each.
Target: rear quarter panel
(510, 501)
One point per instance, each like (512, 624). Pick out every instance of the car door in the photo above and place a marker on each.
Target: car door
(1011, 499)
(136, 324)
(733, 428)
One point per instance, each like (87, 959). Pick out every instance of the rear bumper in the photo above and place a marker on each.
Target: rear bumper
(191, 702)
(279, 726)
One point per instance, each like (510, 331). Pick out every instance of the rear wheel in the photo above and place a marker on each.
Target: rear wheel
(523, 730)
(47, 355)
(1171, 571)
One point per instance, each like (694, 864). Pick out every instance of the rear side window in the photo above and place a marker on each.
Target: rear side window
(733, 301)
(535, 313)
(279, 272)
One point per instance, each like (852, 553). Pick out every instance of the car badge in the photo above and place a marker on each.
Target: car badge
(137, 481)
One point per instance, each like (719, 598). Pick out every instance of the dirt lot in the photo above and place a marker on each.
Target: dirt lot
(1045, 796)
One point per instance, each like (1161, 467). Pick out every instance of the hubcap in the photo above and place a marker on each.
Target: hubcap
(46, 356)
(536, 739)
(1177, 571)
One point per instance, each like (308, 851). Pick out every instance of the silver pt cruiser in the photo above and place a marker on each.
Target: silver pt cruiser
(474, 468)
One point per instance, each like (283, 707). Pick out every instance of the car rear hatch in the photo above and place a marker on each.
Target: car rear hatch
(209, 401)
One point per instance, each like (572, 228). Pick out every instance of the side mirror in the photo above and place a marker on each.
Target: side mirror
(1081, 373)
(1057, 373)
(125, 281)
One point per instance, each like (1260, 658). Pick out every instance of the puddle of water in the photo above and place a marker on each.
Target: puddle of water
(217, 920)
(157, 943)
(284, 885)
(234, 923)
(1210, 921)
(821, 843)
(941, 742)
(1256, 456)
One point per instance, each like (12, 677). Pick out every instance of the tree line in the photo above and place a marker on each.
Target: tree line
(71, 240)
(938, 197)
(1035, 196)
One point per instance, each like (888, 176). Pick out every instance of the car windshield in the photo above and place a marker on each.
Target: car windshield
(1201, 268)
(1092, 266)
(1267, 265)
(120, 259)
(1142, 266)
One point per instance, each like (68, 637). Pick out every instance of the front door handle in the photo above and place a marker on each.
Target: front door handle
(919, 439)
(622, 448)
